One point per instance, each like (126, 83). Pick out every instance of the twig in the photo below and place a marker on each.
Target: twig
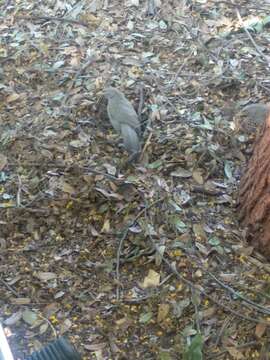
(201, 290)
(238, 347)
(162, 92)
(119, 249)
(194, 301)
(78, 74)
(108, 176)
(255, 291)
(202, 190)
(173, 80)
(258, 307)
(25, 208)
(251, 38)
(91, 170)
(165, 280)
(140, 107)
(82, 69)
(146, 144)
(53, 18)
(248, 344)
(18, 196)
(250, 7)
(151, 8)
(49, 323)
(9, 57)
(138, 300)
(108, 336)
(222, 329)
(9, 287)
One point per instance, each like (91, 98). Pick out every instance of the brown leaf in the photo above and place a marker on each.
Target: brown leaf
(65, 326)
(199, 232)
(260, 330)
(67, 188)
(45, 276)
(3, 161)
(109, 194)
(12, 97)
(181, 172)
(50, 309)
(21, 301)
(13, 319)
(236, 354)
(163, 311)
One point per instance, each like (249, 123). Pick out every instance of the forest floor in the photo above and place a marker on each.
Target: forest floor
(130, 262)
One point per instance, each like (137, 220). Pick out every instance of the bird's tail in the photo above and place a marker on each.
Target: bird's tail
(131, 139)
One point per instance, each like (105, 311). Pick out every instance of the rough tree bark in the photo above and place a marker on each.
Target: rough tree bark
(254, 193)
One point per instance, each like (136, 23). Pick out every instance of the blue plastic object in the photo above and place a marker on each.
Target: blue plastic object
(60, 349)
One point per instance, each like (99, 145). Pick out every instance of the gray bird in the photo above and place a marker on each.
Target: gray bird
(124, 120)
(253, 116)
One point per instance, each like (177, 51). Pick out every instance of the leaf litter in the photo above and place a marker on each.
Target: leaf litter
(67, 201)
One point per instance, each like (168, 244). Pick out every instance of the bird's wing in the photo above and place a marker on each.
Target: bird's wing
(114, 119)
(128, 115)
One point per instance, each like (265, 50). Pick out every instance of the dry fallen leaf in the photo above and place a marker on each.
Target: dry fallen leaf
(199, 232)
(67, 188)
(30, 317)
(21, 301)
(236, 354)
(197, 176)
(260, 330)
(151, 280)
(106, 226)
(163, 311)
(45, 276)
(12, 97)
(13, 319)
(3, 161)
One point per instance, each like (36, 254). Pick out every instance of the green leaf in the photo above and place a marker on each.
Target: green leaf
(258, 27)
(266, 21)
(146, 317)
(178, 224)
(58, 64)
(228, 170)
(214, 241)
(175, 206)
(220, 250)
(30, 317)
(155, 164)
(207, 125)
(194, 350)
(164, 355)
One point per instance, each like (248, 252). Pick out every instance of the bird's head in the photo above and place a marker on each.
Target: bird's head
(111, 93)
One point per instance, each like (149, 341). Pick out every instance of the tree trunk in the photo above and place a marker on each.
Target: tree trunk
(254, 193)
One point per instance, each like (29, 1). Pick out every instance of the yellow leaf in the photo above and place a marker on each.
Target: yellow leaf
(197, 176)
(151, 280)
(235, 353)
(67, 188)
(13, 97)
(163, 311)
(106, 226)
